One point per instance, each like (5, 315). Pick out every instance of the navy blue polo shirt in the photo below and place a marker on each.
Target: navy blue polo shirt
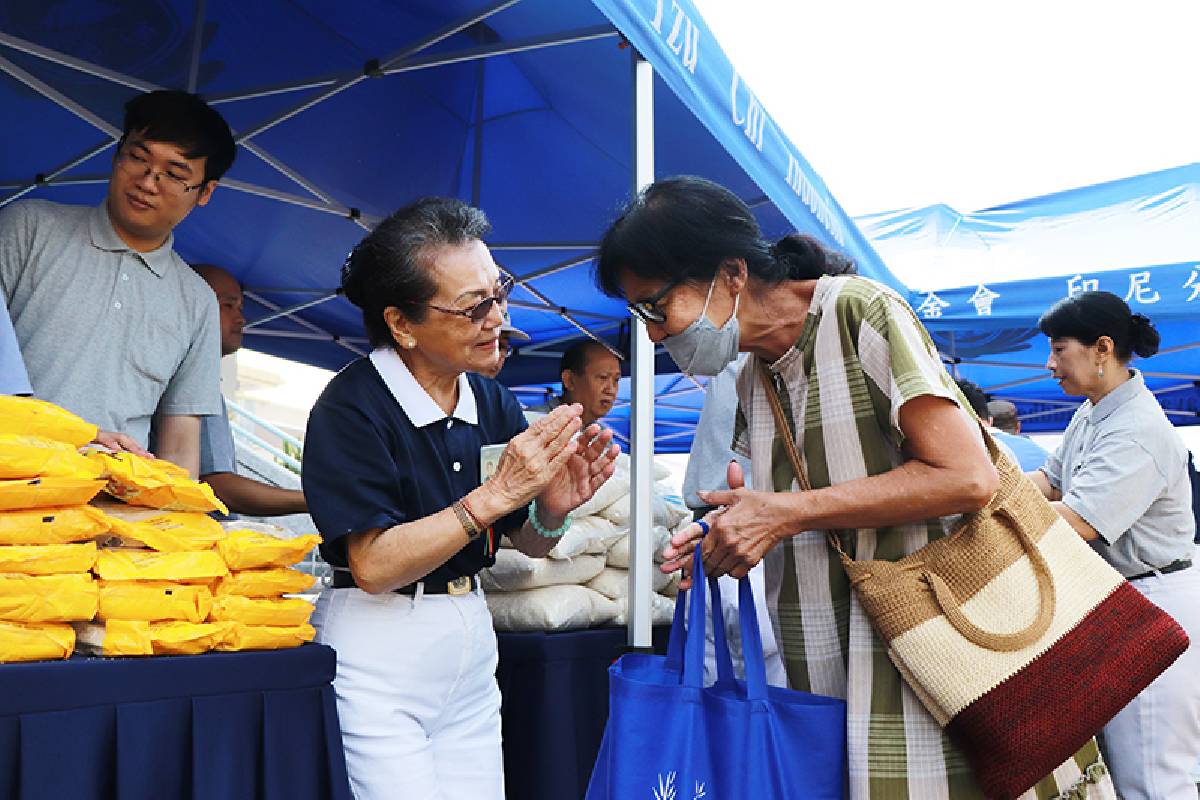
(380, 452)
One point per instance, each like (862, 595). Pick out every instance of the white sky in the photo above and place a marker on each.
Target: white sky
(967, 103)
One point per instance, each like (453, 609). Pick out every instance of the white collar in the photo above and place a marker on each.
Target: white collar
(412, 397)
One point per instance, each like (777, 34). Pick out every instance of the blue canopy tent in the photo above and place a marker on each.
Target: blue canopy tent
(980, 281)
(546, 113)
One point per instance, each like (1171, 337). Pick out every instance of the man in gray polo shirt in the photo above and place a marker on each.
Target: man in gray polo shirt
(218, 458)
(113, 325)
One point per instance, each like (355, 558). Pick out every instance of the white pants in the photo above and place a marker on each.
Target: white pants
(1152, 745)
(416, 693)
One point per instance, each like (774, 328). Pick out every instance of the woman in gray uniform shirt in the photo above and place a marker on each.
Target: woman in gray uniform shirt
(1119, 477)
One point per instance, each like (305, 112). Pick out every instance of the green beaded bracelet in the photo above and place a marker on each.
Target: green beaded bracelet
(542, 531)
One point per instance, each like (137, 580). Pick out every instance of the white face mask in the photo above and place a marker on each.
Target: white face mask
(702, 348)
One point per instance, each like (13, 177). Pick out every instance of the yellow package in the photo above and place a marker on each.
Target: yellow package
(285, 612)
(154, 483)
(270, 582)
(122, 564)
(39, 457)
(153, 601)
(184, 638)
(246, 549)
(116, 637)
(52, 525)
(30, 417)
(119, 637)
(47, 559)
(19, 642)
(264, 637)
(48, 598)
(170, 532)
(47, 492)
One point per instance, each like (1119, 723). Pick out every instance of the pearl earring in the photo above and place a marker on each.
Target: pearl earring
(1100, 372)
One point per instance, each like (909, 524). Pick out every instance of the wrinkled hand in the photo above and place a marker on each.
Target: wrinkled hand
(584, 473)
(121, 443)
(535, 457)
(744, 527)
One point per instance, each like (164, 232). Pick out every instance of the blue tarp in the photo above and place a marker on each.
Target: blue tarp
(523, 108)
(982, 280)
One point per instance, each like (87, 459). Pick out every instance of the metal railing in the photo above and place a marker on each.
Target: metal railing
(244, 434)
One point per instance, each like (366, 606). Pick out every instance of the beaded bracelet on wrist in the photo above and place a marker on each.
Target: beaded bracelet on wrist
(541, 529)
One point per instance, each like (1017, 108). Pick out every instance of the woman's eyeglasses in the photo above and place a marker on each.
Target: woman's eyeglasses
(648, 309)
(479, 312)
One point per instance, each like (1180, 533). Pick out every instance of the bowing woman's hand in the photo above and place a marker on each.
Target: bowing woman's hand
(735, 536)
(585, 471)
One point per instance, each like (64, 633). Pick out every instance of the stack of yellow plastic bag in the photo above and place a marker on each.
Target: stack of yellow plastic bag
(158, 565)
(155, 585)
(250, 601)
(47, 531)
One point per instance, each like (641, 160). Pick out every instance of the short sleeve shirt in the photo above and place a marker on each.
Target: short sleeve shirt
(1123, 468)
(109, 333)
(13, 378)
(379, 452)
(217, 453)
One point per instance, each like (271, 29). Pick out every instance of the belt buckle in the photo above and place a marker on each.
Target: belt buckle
(459, 586)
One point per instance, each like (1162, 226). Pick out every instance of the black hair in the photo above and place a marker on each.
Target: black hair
(685, 228)
(976, 396)
(1089, 315)
(182, 119)
(389, 268)
(575, 357)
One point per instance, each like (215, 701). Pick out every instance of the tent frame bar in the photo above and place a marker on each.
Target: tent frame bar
(198, 17)
(380, 68)
(302, 322)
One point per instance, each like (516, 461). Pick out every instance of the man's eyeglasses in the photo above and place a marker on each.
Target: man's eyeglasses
(138, 166)
(479, 312)
(648, 309)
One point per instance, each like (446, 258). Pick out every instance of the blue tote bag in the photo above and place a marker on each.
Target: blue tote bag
(670, 738)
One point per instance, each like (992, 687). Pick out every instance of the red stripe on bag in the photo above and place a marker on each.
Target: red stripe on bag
(1017, 733)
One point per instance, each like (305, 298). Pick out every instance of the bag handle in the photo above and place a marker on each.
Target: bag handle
(999, 642)
(721, 653)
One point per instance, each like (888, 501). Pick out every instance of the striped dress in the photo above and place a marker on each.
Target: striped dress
(861, 355)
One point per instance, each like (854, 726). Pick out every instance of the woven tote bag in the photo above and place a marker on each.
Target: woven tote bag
(1019, 639)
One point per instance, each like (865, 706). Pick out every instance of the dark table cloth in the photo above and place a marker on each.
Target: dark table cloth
(221, 725)
(555, 690)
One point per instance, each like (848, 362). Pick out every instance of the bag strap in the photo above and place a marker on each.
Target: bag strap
(999, 642)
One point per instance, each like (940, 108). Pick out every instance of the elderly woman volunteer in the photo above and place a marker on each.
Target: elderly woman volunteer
(890, 450)
(392, 477)
(1119, 476)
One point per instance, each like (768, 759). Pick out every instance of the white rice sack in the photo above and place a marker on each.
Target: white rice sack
(662, 610)
(671, 589)
(659, 470)
(587, 536)
(550, 608)
(618, 554)
(613, 583)
(609, 492)
(515, 571)
(619, 512)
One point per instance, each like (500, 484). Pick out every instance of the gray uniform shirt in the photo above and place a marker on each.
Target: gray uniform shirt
(712, 446)
(13, 378)
(1123, 468)
(108, 333)
(217, 452)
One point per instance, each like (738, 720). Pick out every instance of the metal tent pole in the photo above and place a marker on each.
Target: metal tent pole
(641, 414)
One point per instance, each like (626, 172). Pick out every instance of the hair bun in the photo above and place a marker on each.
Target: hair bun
(1144, 339)
(349, 280)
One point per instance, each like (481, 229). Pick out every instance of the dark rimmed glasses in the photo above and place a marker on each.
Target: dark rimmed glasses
(648, 309)
(137, 166)
(479, 312)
